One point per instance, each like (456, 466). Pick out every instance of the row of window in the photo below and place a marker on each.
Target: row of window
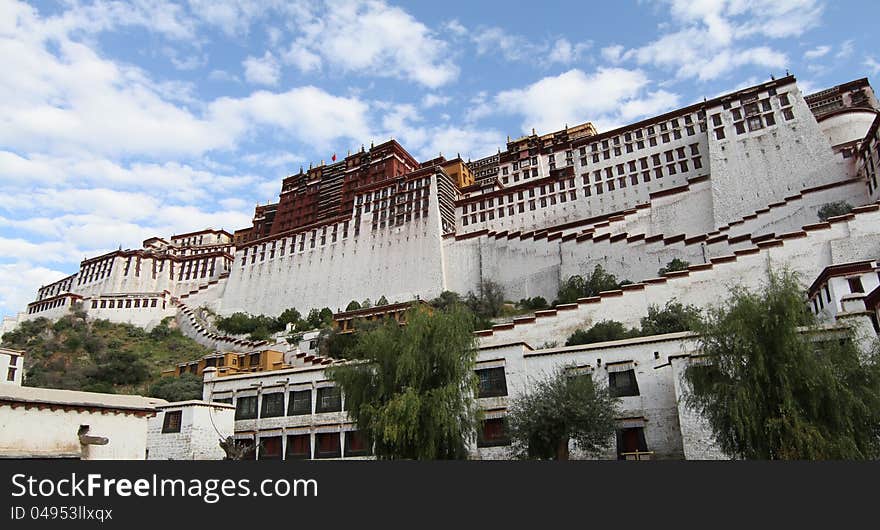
(631, 442)
(45, 306)
(753, 116)
(51, 290)
(281, 247)
(298, 446)
(95, 271)
(598, 188)
(493, 382)
(126, 303)
(272, 404)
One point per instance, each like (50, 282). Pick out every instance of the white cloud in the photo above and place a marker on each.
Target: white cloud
(370, 37)
(21, 281)
(308, 114)
(607, 95)
(564, 52)
(234, 17)
(710, 39)
(872, 64)
(846, 49)
(302, 58)
(434, 100)
(222, 75)
(263, 70)
(500, 42)
(614, 53)
(817, 52)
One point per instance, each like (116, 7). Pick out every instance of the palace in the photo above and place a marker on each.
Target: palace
(730, 185)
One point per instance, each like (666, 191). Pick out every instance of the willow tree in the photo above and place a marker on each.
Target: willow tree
(412, 388)
(773, 385)
(561, 407)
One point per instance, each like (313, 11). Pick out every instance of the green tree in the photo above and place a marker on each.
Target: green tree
(833, 209)
(288, 316)
(489, 300)
(559, 408)
(353, 306)
(773, 386)
(601, 332)
(183, 388)
(578, 287)
(412, 392)
(326, 316)
(446, 299)
(674, 316)
(673, 266)
(120, 368)
(366, 304)
(534, 304)
(382, 301)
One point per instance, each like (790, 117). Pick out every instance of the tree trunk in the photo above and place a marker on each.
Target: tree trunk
(562, 449)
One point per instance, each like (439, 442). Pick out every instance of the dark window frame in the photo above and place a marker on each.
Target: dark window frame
(241, 413)
(325, 403)
(620, 385)
(270, 408)
(294, 405)
(491, 384)
(172, 422)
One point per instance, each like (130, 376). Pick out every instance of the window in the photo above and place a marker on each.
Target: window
(493, 433)
(171, 422)
(327, 445)
(273, 405)
(855, 285)
(787, 114)
(623, 383)
(630, 442)
(492, 382)
(299, 447)
(329, 399)
(755, 123)
(246, 408)
(357, 444)
(270, 447)
(719, 133)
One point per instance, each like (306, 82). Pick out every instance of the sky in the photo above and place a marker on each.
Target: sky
(120, 121)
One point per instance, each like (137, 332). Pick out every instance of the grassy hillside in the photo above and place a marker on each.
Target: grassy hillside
(99, 356)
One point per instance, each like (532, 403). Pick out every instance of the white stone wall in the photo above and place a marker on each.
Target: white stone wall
(202, 426)
(757, 168)
(846, 127)
(807, 253)
(33, 432)
(401, 263)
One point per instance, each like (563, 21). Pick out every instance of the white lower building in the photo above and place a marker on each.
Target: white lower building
(189, 430)
(51, 423)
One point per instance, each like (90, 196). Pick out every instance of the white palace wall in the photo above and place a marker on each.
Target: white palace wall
(807, 252)
(401, 263)
(755, 168)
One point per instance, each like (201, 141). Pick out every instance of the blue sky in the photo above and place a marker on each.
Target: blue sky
(124, 120)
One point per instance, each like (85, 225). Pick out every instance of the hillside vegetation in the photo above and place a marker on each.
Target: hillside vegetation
(99, 356)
